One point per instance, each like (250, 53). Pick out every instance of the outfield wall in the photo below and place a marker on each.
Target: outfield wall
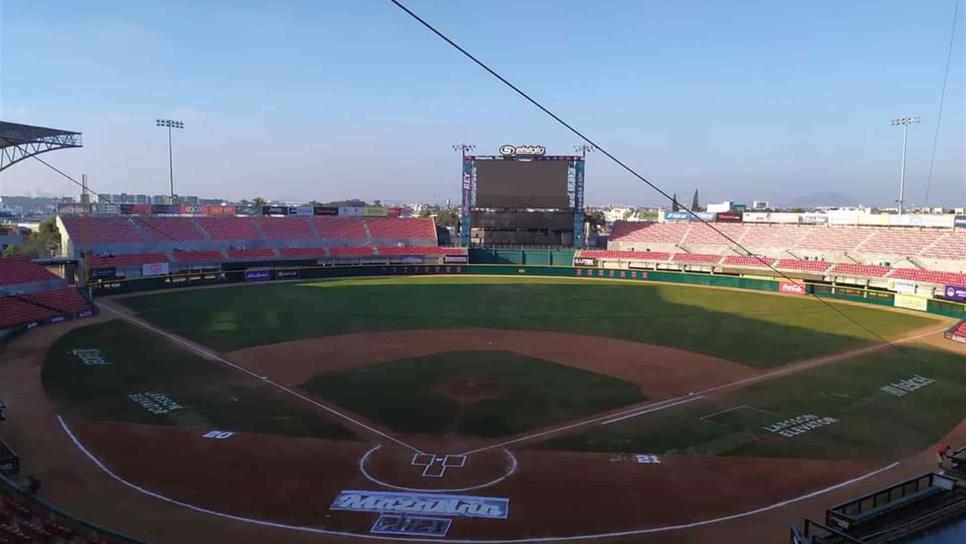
(218, 277)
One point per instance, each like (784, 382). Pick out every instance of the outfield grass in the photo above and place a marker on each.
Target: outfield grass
(404, 394)
(871, 423)
(752, 328)
(213, 396)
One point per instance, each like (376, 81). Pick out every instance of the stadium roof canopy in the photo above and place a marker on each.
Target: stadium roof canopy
(19, 142)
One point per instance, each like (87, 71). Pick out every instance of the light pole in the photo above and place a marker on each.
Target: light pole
(463, 148)
(903, 122)
(170, 124)
(583, 149)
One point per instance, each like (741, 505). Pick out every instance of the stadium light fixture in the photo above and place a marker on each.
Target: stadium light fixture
(903, 122)
(463, 148)
(583, 149)
(169, 124)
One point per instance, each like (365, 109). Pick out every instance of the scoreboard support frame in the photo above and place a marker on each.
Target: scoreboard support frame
(575, 192)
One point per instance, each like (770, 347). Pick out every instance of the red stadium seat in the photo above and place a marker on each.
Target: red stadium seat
(15, 271)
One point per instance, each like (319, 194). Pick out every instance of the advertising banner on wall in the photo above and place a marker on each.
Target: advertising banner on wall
(101, 273)
(154, 269)
(374, 211)
(960, 221)
(671, 217)
(729, 217)
(351, 211)
(912, 302)
(126, 209)
(214, 210)
(455, 259)
(277, 210)
(902, 286)
(141, 209)
(190, 209)
(905, 220)
(771, 217)
(585, 261)
(393, 212)
(813, 219)
(326, 210)
(304, 211)
(165, 209)
(791, 288)
(955, 292)
(258, 275)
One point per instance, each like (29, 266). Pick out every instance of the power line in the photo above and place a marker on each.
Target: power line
(88, 187)
(630, 170)
(942, 99)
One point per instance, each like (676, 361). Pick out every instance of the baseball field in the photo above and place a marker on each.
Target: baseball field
(272, 402)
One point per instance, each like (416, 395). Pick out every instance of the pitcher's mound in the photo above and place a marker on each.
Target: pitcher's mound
(470, 390)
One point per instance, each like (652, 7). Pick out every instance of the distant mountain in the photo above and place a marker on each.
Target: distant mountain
(821, 198)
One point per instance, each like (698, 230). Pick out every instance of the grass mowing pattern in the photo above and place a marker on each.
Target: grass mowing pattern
(871, 423)
(402, 394)
(751, 328)
(213, 396)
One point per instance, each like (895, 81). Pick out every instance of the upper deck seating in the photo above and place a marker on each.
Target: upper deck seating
(286, 228)
(229, 228)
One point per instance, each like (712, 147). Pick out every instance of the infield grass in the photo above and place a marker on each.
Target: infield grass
(757, 329)
(212, 396)
(405, 395)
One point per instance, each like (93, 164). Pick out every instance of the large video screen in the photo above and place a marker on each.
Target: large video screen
(521, 184)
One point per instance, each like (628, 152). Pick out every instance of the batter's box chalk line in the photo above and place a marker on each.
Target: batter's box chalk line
(450, 461)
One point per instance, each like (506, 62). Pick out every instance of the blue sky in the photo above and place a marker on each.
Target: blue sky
(326, 100)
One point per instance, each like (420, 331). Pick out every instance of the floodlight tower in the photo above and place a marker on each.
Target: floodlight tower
(903, 122)
(170, 124)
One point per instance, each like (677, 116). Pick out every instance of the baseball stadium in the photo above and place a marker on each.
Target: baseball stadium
(304, 372)
(341, 375)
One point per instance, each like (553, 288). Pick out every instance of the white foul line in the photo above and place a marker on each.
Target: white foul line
(191, 346)
(653, 409)
(674, 401)
(317, 530)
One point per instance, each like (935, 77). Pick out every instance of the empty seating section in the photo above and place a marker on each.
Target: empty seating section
(14, 311)
(669, 233)
(14, 271)
(197, 256)
(351, 251)
(741, 260)
(899, 241)
(131, 259)
(263, 253)
(701, 234)
(22, 525)
(930, 276)
(860, 269)
(835, 238)
(65, 299)
(340, 228)
(402, 229)
(420, 251)
(627, 255)
(773, 236)
(286, 228)
(103, 230)
(695, 258)
(176, 229)
(952, 246)
(228, 228)
(302, 252)
(810, 266)
(40, 305)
